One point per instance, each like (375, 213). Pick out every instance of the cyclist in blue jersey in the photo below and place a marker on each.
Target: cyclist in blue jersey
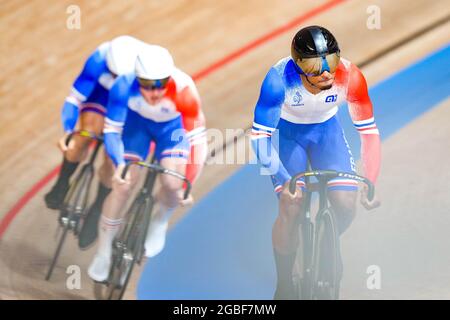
(295, 122)
(86, 105)
(144, 107)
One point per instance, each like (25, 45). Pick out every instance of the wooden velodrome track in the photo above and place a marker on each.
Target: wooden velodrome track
(40, 57)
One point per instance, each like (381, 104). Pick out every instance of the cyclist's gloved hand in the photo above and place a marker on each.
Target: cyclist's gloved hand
(189, 200)
(369, 205)
(62, 142)
(117, 178)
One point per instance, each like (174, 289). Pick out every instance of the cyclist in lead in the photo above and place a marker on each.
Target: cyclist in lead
(295, 121)
(158, 103)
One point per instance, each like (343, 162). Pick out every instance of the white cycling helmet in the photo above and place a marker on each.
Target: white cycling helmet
(121, 54)
(154, 62)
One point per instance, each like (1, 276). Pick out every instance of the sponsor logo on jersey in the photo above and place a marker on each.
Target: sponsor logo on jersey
(297, 99)
(332, 98)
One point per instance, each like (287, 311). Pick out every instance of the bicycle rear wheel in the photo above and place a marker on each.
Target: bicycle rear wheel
(326, 278)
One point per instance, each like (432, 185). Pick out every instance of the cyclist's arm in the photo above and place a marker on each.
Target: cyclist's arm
(81, 89)
(189, 105)
(266, 117)
(361, 112)
(115, 119)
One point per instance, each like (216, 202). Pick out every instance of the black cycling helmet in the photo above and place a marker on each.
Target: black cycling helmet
(312, 42)
(314, 50)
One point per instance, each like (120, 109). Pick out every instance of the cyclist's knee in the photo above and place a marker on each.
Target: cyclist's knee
(121, 191)
(344, 205)
(77, 149)
(169, 183)
(289, 211)
(170, 192)
(171, 187)
(92, 122)
(124, 190)
(344, 201)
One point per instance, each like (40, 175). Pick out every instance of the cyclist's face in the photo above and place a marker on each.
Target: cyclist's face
(323, 81)
(153, 96)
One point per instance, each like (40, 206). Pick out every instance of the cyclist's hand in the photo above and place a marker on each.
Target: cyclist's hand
(289, 198)
(189, 200)
(117, 178)
(62, 142)
(369, 205)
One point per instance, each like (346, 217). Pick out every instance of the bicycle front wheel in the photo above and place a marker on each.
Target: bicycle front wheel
(128, 251)
(302, 267)
(327, 263)
(120, 275)
(58, 249)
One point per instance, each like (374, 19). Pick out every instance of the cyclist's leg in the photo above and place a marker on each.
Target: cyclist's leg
(169, 194)
(136, 141)
(332, 152)
(88, 233)
(344, 204)
(91, 119)
(285, 232)
(109, 225)
(105, 174)
(172, 151)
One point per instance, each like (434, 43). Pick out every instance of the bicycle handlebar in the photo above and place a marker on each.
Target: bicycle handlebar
(83, 133)
(328, 175)
(157, 168)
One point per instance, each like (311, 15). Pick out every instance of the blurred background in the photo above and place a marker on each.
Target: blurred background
(228, 46)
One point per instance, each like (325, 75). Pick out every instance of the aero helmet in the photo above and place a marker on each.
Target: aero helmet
(315, 50)
(121, 54)
(154, 62)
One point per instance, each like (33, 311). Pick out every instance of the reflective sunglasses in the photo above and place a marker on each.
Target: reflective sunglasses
(153, 84)
(313, 67)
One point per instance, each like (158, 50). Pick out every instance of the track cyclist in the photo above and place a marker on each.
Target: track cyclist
(86, 105)
(158, 103)
(295, 122)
